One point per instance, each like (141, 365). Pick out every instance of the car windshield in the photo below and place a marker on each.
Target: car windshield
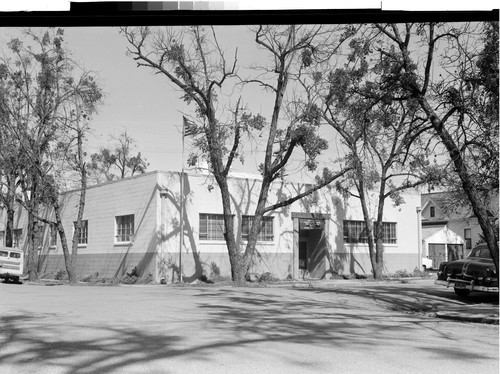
(482, 252)
(15, 255)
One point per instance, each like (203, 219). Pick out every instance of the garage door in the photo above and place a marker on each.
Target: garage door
(437, 252)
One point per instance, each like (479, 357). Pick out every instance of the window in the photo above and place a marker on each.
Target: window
(389, 234)
(124, 228)
(266, 231)
(53, 236)
(433, 211)
(211, 227)
(468, 239)
(17, 238)
(84, 232)
(355, 232)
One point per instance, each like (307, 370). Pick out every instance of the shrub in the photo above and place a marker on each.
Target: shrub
(91, 278)
(129, 279)
(214, 270)
(419, 273)
(60, 275)
(221, 280)
(148, 279)
(268, 277)
(51, 275)
(107, 280)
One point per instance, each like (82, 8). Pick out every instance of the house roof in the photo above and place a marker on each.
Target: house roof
(444, 203)
(441, 235)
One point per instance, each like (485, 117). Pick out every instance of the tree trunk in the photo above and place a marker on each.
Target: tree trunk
(32, 232)
(32, 261)
(256, 224)
(9, 229)
(480, 211)
(72, 273)
(64, 242)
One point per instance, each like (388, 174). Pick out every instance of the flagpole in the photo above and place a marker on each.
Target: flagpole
(181, 201)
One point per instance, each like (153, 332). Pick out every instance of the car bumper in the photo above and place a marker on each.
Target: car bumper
(467, 285)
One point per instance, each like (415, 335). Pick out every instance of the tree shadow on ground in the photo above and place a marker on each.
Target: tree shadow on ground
(231, 318)
(416, 299)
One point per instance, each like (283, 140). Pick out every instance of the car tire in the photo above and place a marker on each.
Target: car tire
(461, 292)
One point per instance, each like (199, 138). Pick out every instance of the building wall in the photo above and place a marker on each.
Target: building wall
(137, 196)
(154, 199)
(354, 258)
(201, 256)
(202, 196)
(459, 226)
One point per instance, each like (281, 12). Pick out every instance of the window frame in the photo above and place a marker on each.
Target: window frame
(432, 211)
(17, 237)
(83, 238)
(389, 228)
(53, 236)
(263, 236)
(120, 232)
(468, 238)
(213, 220)
(359, 236)
(389, 232)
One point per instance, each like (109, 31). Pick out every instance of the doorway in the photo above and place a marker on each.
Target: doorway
(311, 248)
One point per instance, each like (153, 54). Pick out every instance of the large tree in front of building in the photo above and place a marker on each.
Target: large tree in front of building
(193, 61)
(45, 102)
(383, 141)
(451, 71)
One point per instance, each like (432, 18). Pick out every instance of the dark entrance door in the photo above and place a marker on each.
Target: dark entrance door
(302, 255)
(312, 251)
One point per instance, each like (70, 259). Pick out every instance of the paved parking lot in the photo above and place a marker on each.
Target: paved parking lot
(348, 327)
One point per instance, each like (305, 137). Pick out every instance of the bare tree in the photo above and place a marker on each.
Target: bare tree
(381, 134)
(192, 59)
(450, 70)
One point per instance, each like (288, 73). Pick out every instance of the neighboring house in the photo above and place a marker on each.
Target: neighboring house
(135, 222)
(449, 232)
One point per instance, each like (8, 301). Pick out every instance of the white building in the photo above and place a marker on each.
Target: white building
(449, 232)
(135, 222)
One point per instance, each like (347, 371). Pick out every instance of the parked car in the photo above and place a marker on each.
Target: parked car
(477, 272)
(11, 263)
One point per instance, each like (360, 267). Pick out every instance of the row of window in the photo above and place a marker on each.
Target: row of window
(355, 232)
(211, 227)
(124, 232)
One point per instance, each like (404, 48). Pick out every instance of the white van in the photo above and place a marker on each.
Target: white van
(11, 263)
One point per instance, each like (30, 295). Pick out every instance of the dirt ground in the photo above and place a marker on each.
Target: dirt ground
(348, 327)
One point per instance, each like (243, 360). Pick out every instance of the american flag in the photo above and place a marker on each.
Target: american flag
(190, 127)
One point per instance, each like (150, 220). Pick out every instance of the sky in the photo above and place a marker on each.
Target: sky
(146, 105)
